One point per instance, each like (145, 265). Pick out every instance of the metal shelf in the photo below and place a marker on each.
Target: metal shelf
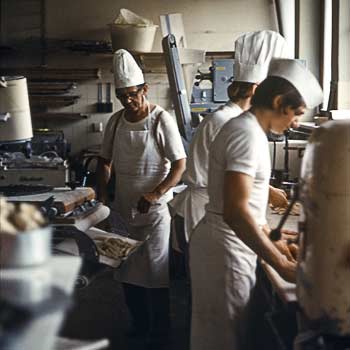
(57, 116)
(54, 74)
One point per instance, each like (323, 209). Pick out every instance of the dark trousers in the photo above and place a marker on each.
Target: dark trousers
(149, 309)
(179, 267)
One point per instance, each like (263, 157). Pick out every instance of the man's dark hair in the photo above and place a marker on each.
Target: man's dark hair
(239, 90)
(272, 87)
(140, 86)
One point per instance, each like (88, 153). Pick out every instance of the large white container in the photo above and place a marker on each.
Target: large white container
(323, 280)
(25, 249)
(14, 100)
(37, 288)
(132, 37)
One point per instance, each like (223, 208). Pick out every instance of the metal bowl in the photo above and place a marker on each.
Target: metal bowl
(25, 248)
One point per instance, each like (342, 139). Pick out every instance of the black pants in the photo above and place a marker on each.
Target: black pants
(179, 263)
(149, 309)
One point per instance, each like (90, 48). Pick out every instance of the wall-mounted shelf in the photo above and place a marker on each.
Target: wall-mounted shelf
(44, 87)
(104, 47)
(54, 74)
(57, 116)
(154, 62)
(54, 101)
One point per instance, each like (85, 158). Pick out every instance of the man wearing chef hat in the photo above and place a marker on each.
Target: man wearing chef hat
(143, 144)
(253, 52)
(225, 244)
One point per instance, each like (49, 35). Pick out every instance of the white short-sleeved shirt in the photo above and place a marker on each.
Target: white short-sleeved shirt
(196, 173)
(166, 133)
(240, 146)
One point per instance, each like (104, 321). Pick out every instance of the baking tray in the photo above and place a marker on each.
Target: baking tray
(69, 246)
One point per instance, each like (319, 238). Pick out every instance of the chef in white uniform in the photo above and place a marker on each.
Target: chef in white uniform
(225, 244)
(253, 52)
(143, 144)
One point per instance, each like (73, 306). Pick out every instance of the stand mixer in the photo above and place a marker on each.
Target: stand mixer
(35, 286)
(323, 275)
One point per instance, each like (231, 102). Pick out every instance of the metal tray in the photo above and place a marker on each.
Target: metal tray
(69, 246)
(95, 233)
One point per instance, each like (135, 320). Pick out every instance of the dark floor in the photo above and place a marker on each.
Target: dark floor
(100, 311)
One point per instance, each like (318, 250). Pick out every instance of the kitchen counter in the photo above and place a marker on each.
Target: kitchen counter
(286, 291)
(275, 301)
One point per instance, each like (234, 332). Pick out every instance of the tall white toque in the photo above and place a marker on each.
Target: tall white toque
(126, 71)
(253, 53)
(300, 77)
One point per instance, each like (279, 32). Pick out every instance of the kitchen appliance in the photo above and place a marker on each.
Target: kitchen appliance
(71, 214)
(17, 164)
(178, 87)
(35, 286)
(33, 296)
(48, 169)
(33, 300)
(16, 123)
(26, 248)
(207, 100)
(67, 207)
(286, 152)
(323, 276)
(181, 65)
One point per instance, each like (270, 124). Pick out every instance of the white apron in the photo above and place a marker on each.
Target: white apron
(223, 275)
(190, 204)
(139, 168)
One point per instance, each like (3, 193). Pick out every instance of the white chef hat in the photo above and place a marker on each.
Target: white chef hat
(126, 71)
(253, 53)
(300, 77)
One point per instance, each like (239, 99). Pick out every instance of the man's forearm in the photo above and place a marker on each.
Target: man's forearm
(253, 236)
(103, 175)
(172, 179)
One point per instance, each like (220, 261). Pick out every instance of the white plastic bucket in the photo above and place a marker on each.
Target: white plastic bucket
(132, 37)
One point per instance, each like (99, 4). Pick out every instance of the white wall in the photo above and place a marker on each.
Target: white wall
(209, 25)
(344, 55)
(310, 14)
(288, 24)
(309, 40)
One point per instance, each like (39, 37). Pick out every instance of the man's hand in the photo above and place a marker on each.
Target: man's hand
(146, 201)
(294, 250)
(277, 197)
(287, 270)
(282, 246)
(103, 174)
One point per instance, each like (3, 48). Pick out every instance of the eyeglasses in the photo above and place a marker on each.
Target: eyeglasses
(133, 95)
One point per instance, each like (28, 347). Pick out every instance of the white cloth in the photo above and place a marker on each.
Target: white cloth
(253, 52)
(222, 266)
(300, 77)
(127, 73)
(190, 203)
(222, 278)
(141, 160)
(240, 146)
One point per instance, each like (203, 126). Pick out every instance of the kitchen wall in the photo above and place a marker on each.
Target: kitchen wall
(210, 25)
(344, 55)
